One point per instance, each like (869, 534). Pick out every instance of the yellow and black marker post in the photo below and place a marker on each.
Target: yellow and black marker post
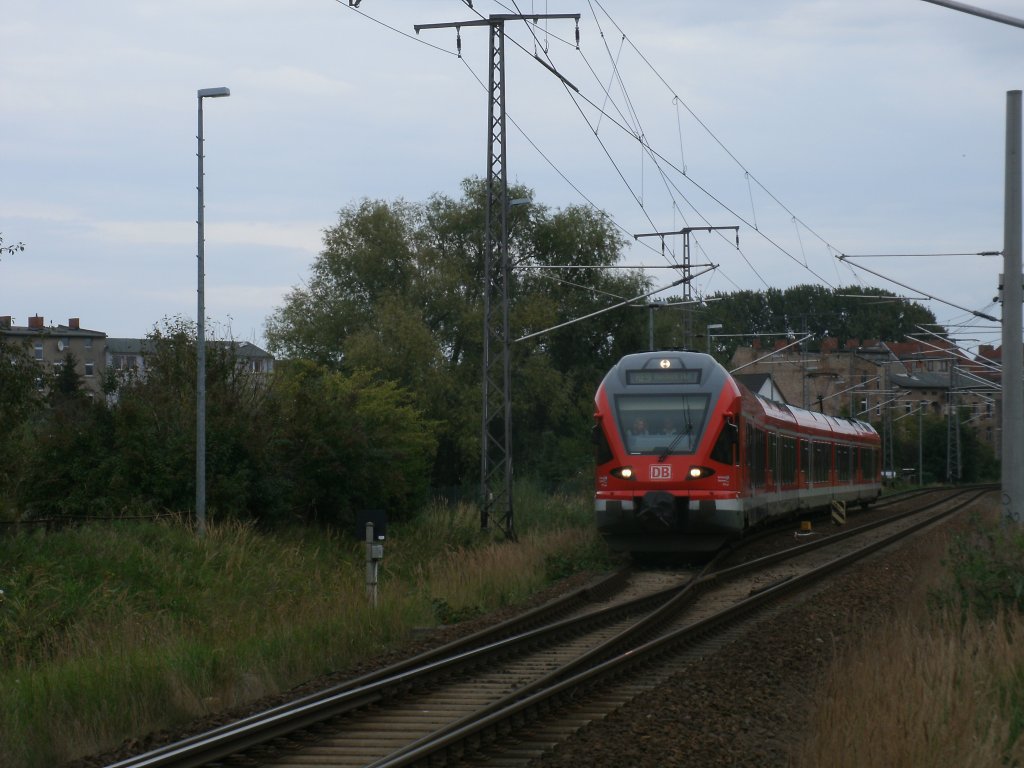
(838, 512)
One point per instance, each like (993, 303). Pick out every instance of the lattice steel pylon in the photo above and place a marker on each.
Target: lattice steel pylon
(496, 419)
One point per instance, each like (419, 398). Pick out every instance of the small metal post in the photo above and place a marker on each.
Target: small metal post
(371, 566)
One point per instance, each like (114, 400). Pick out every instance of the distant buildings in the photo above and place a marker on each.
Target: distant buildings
(95, 354)
(878, 381)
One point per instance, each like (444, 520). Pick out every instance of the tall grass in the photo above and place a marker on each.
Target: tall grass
(939, 686)
(109, 633)
(938, 694)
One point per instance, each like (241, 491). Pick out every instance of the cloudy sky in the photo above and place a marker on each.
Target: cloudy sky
(819, 127)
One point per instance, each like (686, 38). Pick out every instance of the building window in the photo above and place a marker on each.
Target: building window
(39, 350)
(89, 368)
(88, 342)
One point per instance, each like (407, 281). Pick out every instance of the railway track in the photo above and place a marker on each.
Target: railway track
(513, 691)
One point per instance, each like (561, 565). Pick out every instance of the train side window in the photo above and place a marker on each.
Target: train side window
(821, 461)
(788, 460)
(723, 451)
(602, 450)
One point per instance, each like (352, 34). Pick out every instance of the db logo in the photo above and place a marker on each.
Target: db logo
(661, 471)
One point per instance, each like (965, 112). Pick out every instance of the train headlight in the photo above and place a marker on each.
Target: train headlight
(696, 473)
(626, 473)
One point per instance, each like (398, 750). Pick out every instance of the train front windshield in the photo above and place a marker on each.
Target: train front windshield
(662, 424)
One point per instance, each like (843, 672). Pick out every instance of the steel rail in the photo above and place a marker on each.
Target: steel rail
(526, 703)
(538, 626)
(501, 641)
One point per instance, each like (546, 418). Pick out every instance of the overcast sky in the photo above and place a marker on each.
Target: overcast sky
(818, 127)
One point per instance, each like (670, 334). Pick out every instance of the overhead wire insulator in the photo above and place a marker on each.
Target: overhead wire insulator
(577, 35)
(458, 38)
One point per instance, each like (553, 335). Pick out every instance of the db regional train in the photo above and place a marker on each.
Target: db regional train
(687, 457)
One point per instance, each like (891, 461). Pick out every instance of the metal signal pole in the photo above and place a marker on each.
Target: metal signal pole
(496, 431)
(687, 267)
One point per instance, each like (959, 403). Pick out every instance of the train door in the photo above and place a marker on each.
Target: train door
(804, 471)
(772, 480)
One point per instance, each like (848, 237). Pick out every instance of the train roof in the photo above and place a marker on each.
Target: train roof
(709, 375)
(784, 414)
(714, 378)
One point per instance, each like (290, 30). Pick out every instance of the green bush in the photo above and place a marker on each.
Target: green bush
(987, 568)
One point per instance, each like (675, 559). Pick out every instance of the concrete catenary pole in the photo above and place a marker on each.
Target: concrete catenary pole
(1013, 391)
(202, 93)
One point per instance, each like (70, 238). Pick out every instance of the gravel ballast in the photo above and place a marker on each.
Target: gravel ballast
(750, 704)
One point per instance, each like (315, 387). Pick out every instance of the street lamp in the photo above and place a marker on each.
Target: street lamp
(710, 328)
(202, 93)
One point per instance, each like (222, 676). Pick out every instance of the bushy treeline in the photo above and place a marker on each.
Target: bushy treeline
(306, 443)
(376, 397)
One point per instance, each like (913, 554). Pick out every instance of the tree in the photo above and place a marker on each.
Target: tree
(19, 400)
(155, 419)
(344, 443)
(852, 312)
(397, 291)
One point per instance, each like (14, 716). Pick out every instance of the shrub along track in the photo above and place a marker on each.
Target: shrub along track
(463, 700)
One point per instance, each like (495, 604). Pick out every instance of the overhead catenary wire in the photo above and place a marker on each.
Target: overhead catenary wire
(657, 157)
(631, 126)
(626, 302)
(974, 312)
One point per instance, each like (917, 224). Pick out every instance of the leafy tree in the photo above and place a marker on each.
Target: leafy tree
(344, 443)
(66, 459)
(155, 417)
(65, 453)
(18, 393)
(398, 290)
(979, 463)
(845, 313)
(19, 400)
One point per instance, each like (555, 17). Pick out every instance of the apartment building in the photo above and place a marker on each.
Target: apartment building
(51, 345)
(95, 354)
(871, 379)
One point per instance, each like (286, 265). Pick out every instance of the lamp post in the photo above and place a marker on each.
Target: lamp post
(709, 329)
(202, 93)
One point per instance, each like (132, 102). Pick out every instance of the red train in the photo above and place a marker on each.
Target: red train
(687, 457)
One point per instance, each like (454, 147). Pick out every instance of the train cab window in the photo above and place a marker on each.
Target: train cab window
(656, 424)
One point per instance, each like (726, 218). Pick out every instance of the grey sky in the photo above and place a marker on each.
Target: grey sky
(879, 125)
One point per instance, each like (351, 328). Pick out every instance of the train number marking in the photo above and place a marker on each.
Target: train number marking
(661, 471)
